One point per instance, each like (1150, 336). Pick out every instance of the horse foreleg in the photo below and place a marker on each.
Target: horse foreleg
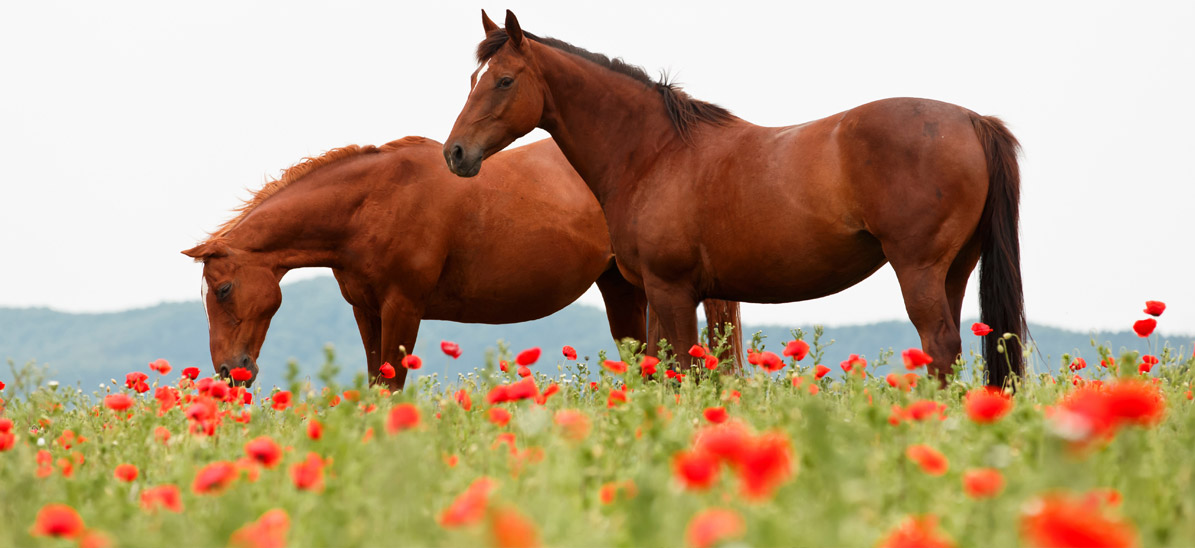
(400, 327)
(370, 326)
(676, 310)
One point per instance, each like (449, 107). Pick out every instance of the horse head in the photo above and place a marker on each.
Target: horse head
(240, 297)
(506, 100)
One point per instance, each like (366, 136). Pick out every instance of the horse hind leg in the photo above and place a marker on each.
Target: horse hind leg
(932, 312)
(626, 306)
(958, 276)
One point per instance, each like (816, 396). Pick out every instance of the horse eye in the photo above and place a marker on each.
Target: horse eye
(223, 291)
(505, 82)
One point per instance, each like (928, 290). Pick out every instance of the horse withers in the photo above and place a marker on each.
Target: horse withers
(407, 241)
(702, 204)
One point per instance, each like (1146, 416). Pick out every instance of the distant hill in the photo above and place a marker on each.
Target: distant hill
(89, 349)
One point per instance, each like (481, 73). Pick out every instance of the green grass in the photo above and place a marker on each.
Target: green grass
(852, 482)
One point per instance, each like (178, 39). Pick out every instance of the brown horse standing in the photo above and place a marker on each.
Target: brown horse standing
(408, 241)
(701, 204)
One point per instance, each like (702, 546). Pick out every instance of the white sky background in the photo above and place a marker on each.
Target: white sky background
(128, 130)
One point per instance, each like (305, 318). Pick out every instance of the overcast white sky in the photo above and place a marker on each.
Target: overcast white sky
(128, 130)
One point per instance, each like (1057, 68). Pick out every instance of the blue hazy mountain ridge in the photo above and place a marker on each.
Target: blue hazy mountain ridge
(88, 349)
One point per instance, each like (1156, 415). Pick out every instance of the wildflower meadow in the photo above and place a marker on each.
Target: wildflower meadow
(540, 448)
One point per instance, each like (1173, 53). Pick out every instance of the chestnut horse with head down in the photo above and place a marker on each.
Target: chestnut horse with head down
(702, 204)
(408, 241)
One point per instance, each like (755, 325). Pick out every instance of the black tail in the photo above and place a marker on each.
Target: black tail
(719, 313)
(1001, 300)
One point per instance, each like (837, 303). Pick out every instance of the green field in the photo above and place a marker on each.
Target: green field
(792, 466)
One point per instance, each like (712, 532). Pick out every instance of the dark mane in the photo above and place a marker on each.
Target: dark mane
(684, 111)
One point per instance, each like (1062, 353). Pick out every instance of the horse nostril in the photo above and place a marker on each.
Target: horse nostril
(458, 154)
(224, 371)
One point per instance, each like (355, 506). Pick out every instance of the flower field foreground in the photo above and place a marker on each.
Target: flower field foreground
(610, 454)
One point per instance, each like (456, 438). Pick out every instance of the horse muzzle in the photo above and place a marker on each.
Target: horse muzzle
(463, 161)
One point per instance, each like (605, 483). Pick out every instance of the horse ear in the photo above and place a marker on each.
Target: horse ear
(205, 251)
(513, 30)
(488, 24)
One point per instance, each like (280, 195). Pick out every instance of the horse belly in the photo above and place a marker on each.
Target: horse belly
(795, 269)
(524, 279)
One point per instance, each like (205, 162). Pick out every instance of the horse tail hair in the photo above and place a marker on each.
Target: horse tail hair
(725, 315)
(1001, 298)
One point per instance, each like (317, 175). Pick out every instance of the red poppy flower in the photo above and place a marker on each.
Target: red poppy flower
(161, 366)
(713, 526)
(309, 474)
(820, 371)
(511, 529)
(528, 357)
(214, 478)
(848, 365)
(503, 365)
(980, 329)
(1059, 520)
(542, 398)
(1, 385)
(916, 532)
(162, 496)
(264, 451)
(7, 440)
(987, 405)
(696, 351)
(462, 398)
(570, 353)
(647, 367)
(402, 417)
(411, 361)
(770, 362)
(1135, 402)
(191, 372)
(981, 483)
(616, 367)
(118, 402)
(924, 409)
(796, 349)
(57, 520)
(1155, 308)
(1145, 327)
(470, 506)
(387, 371)
(930, 460)
(764, 464)
(1151, 360)
(498, 394)
(523, 371)
(617, 397)
(523, 390)
(125, 472)
(724, 441)
(240, 374)
(450, 348)
(315, 429)
(5, 425)
(696, 470)
(915, 358)
(280, 400)
(574, 425)
(499, 416)
(716, 415)
(1077, 364)
(269, 531)
(136, 381)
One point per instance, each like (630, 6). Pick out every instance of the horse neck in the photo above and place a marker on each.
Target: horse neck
(602, 120)
(305, 224)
